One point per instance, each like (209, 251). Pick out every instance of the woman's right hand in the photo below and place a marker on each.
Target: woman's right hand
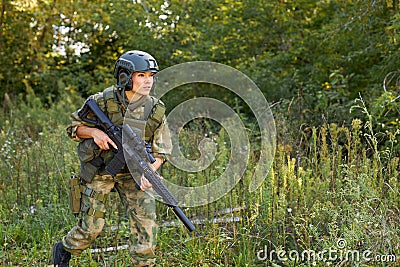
(99, 137)
(102, 140)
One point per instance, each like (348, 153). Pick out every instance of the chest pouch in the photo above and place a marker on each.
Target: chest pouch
(92, 159)
(138, 126)
(88, 150)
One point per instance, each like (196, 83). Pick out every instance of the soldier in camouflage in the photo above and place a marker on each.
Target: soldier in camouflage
(131, 103)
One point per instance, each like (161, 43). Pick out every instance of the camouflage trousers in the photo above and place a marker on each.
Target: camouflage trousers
(140, 208)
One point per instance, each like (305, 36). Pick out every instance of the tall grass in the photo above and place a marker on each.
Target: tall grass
(337, 186)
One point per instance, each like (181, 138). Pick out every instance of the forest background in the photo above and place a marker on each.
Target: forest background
(329, 70)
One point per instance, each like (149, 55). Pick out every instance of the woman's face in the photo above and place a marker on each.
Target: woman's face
(142, 84)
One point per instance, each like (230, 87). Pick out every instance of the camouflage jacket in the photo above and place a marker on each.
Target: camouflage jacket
(145, 115)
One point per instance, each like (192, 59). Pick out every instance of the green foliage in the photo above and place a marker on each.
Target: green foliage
(335, 187)
(335, 174)
(319, 53)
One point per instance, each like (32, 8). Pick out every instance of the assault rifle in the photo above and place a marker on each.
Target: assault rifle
(136, 152)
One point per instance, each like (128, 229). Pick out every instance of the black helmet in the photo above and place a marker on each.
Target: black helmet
(130, 62)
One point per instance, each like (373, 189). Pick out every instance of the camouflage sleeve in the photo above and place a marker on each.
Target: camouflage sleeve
(162, 144)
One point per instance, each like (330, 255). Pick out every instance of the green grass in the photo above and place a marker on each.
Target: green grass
(338, 185)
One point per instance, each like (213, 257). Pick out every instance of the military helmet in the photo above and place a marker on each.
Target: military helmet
(130, 62)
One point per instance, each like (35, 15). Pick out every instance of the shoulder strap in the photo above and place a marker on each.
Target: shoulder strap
(107, 95)
(154, 112)
(112, 103)
(157, 112)
(102, 98)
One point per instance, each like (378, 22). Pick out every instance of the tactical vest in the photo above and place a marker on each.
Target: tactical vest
(154, 111)
(94, 160)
